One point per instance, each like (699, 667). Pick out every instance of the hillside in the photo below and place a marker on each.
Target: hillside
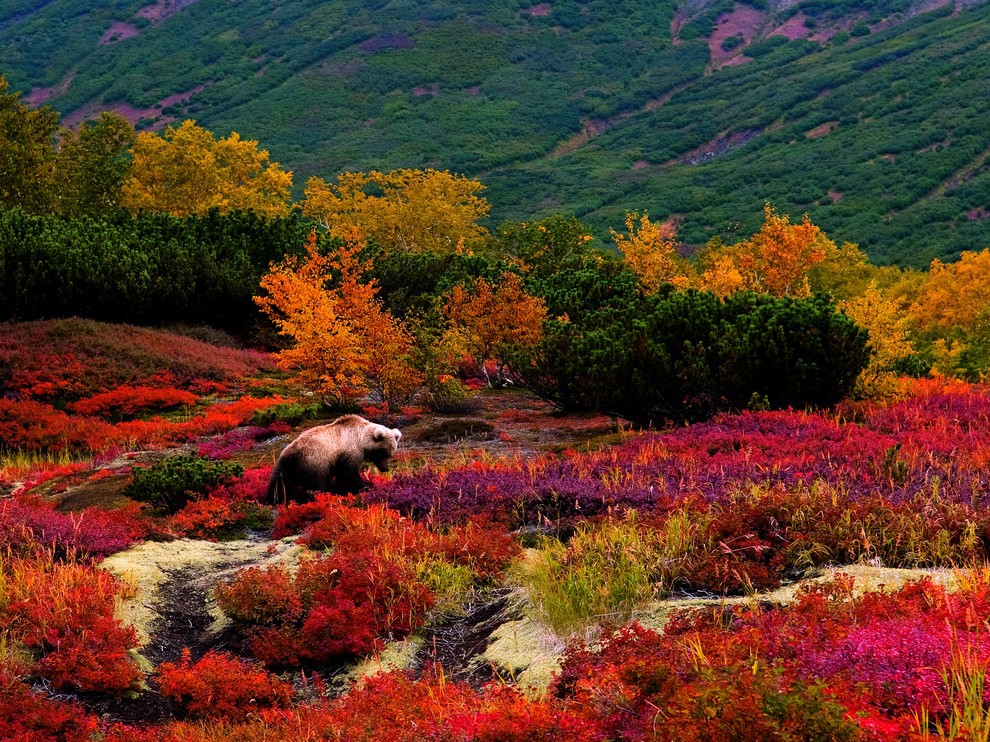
(870, 116)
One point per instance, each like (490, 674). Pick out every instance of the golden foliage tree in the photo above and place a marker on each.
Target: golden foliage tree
(722, 277)
(189, 171)
(650, 250)
(776, 260)
(344, 343)
(886, 321)
(955, 294)
(410, 210)
(487, 318)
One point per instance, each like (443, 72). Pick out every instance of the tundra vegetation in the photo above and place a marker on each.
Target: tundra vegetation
(662, 467)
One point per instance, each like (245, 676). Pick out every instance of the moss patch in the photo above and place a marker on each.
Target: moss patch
(526, 651)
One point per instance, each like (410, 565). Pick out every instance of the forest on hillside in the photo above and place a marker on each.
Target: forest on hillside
(868, 116)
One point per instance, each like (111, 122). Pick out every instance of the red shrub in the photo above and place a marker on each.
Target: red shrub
(250, 487)
(34, 426)
(126, 401)
(332, 607)
(63, 614)
(76, 357)
(210, 518)
(485, 547)
(219, 686)
(28, 522)
(294, 518)
(260, 597)
(27, 716)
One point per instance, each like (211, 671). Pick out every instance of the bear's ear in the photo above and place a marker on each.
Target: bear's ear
(379, 435)
(397, 433)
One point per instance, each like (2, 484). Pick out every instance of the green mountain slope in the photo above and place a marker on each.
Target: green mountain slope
(698, 110)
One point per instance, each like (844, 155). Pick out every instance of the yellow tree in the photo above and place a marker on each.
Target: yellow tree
(27, 153)
(885, 320)
(487, 318)
(651, 252)
(722, 277)
(188, 171)
(776, 260)
(951, 312)
(344, 343)
(409, 210)
(955, 294)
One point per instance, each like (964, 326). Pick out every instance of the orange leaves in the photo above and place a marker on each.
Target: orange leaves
(344, 342)
(488, 317)
(188, 171)
(650, 250)
(774, 261)
(325, 349)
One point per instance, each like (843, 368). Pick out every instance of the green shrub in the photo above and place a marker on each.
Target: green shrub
(687, 355)
(170, 484)
(731, 42)
(292, 413)
(146, 269)
(450, 396)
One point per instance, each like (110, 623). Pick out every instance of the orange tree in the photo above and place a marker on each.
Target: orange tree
(776, 260)
(343, 342)
(487, 318)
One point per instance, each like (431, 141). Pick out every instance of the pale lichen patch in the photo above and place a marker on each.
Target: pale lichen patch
(148, 566)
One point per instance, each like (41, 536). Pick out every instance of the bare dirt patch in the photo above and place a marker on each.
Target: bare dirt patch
(744, 22)
(717, 147)
(39, 96)
(386, 41)
(132, 113)
(118, 31)
(540, 10)
(458, 644)
(793, 28)
(824, 130)
(162, 9)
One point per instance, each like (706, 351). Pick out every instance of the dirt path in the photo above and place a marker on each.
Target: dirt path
(172, 607)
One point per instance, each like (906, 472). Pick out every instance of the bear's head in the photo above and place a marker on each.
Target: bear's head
(380, 444)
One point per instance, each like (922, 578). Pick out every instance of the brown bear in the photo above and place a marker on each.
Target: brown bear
(328, 458)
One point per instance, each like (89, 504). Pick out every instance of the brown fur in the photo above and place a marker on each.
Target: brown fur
(328, 458)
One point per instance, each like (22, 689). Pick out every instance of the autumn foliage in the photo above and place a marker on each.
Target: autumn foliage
(650, 250)
(220, 685)
(62, 615)
(187, 170)
(404, 210)
(344, 343)
(487, 318)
